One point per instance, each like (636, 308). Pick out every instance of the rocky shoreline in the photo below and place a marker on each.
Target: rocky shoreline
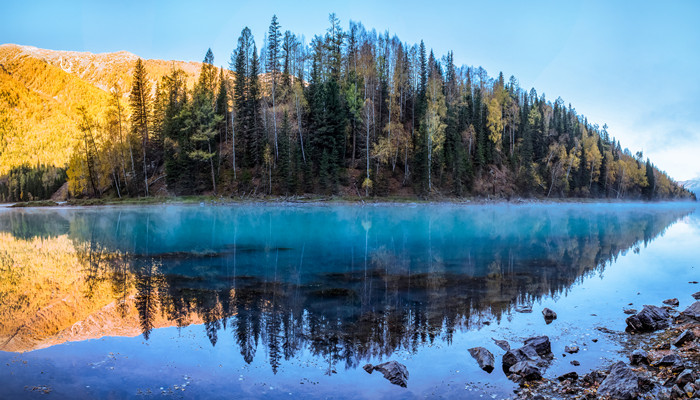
(663, 347)
(661, 343)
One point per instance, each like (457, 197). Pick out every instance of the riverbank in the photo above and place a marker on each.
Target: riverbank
(313, 199)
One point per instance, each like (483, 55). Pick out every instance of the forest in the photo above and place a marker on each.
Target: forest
(354, 113)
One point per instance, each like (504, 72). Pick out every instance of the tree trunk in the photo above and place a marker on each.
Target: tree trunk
(233, 143)
(211, 163)
(301, 137)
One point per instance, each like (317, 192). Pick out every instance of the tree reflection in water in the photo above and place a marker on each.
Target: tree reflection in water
(292, 295)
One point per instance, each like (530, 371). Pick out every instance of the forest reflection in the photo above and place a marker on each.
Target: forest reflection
(354, 295)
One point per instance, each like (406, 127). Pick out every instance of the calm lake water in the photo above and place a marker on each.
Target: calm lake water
(260, 301)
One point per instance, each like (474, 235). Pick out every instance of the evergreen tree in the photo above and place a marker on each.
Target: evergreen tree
(140, 101)
(273, 68)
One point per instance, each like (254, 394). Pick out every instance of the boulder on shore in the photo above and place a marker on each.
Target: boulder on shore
(622, 383)
(395, 372)
(542, 345)
(693, 311)
(638, 357)
(683, 338)
(526, 371)
(483, 357)
(650, 319)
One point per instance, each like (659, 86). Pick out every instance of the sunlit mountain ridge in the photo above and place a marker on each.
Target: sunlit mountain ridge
(41, 90)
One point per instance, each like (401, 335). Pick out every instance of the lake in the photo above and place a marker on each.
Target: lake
(284, 301)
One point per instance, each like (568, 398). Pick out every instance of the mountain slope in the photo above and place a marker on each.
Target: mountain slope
(693, 185)
(40, 91)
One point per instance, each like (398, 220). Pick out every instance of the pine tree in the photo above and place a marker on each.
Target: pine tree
(204, 122)
(273, 68)
(140, 101)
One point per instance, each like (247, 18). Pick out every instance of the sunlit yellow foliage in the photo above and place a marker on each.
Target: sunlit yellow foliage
(40, 91)
(593, 157)
(494, 123)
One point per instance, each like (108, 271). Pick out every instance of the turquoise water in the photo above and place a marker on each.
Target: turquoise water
(276, 301)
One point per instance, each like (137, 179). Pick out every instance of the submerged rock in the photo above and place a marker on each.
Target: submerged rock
(683, 338)
(622, 383)
(502, 344)
(696, 295)
(395, 372)
(650, 319)
(549, 315)
(571, 349)
(693, 311)
(483, 357)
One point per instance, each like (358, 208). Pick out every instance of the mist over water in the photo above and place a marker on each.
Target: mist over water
(300, 297)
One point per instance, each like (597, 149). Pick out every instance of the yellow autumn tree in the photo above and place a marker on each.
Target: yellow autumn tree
(494, 123)
(434, 118)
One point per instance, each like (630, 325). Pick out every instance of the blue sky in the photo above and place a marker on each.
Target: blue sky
(630, 64)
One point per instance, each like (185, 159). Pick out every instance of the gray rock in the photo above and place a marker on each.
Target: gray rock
(514, 356)
(526, 370)
(541, 344)
(622, 383)
(683, 338)
(483, 357)
(629, 311)
(650, 319)
(502, 344)
(571, 349)
(677, 393)
(575, 363)
(395, 372)
(696, 295)
(639, 357)
(689, 389)
(537, 349)
(549, 315)
(671, 360)
(663, 346)
(594, 377)
(671, 302)
(684, 377)
(693, 311)
(572, 376)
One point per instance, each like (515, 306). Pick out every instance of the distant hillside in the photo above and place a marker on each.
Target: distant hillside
(40, 91)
